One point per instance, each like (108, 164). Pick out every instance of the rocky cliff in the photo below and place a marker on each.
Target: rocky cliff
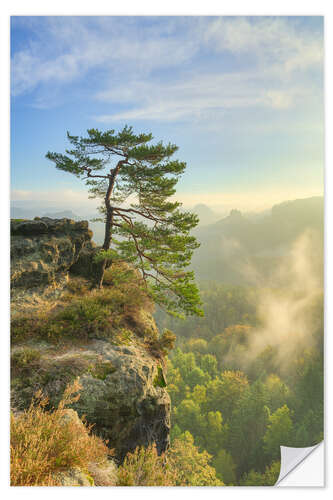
(103, 337)
(43, 250)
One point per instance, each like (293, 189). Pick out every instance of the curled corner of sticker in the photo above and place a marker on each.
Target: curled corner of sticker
(291, 458)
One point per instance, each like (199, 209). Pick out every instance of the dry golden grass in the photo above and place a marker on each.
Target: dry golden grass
(144, 467)
(82, 314)
(45, 442)
(182, 465)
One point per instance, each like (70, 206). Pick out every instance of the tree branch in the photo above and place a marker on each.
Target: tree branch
(132, 210)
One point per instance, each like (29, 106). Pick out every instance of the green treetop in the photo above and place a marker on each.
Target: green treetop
(146, 228)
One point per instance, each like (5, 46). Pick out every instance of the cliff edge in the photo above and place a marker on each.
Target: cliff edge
(62, 330)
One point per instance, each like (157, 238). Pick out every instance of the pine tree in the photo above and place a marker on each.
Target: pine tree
(143, 226)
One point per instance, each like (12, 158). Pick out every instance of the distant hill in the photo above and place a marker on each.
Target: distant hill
(206, 215)
(65, 214)
(30, 213)
(236, 240)
(229, 242)
(22, 213)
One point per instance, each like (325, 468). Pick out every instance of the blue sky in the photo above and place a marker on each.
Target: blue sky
(241, 97)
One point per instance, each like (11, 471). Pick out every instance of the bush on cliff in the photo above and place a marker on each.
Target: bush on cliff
(181, 465)
(46, 443)
(82, 314)
(118, 313)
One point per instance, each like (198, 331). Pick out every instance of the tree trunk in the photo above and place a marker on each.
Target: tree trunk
(106, 245)
(100, 274)
(108, 223)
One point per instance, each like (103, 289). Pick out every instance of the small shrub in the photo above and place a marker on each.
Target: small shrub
(163, 344)
(144, 467)
(167, 341)
(159, 380)
(119, 274)
(124, 336)
(24, 359)
(78, 286)
(44, 443)
(106, 313)
(182, 465)
(24, 327)
(102, 370)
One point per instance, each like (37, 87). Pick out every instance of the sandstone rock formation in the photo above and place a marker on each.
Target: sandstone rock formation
(121, 390)
(43, 250)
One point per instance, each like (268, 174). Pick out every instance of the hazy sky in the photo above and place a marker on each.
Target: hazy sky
(241, 97)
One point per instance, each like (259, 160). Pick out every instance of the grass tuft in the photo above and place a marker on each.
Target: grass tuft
(82, 314)
(44, 443)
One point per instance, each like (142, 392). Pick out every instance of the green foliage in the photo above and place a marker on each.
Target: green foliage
(308, 381)
(208, 364)
(110, 313)
(159, 380)
(105, 255)
(225, 467)
(278, 392)
(223, 306)
(78, 286)
(197, 377)
(188, 417)
(279, 432)
(102, 369)
(225, 391)
(268, 478)
(24, 359)
(181, 465)
(249, 423)
(192, 466)
(120, 275)
(144, 467)
(164, 344)
(242, 417)
(310, 428)
(198, 346)
(151, 233)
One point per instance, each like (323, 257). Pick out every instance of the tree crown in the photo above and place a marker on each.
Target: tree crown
(147, 228)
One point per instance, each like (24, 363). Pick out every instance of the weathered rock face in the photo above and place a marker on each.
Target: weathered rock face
(121, 392)
(43, 250)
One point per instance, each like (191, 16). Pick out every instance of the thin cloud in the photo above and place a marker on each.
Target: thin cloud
(200, 96)
(62, 198)
(157, 53)
(278, 78)
(114, 45)
(277, 41)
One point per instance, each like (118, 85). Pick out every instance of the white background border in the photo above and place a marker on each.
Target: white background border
(145, 7)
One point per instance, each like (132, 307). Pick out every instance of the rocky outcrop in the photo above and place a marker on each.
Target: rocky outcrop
(73, 477)
(97, 474)
(43, 250)
(121, 390)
